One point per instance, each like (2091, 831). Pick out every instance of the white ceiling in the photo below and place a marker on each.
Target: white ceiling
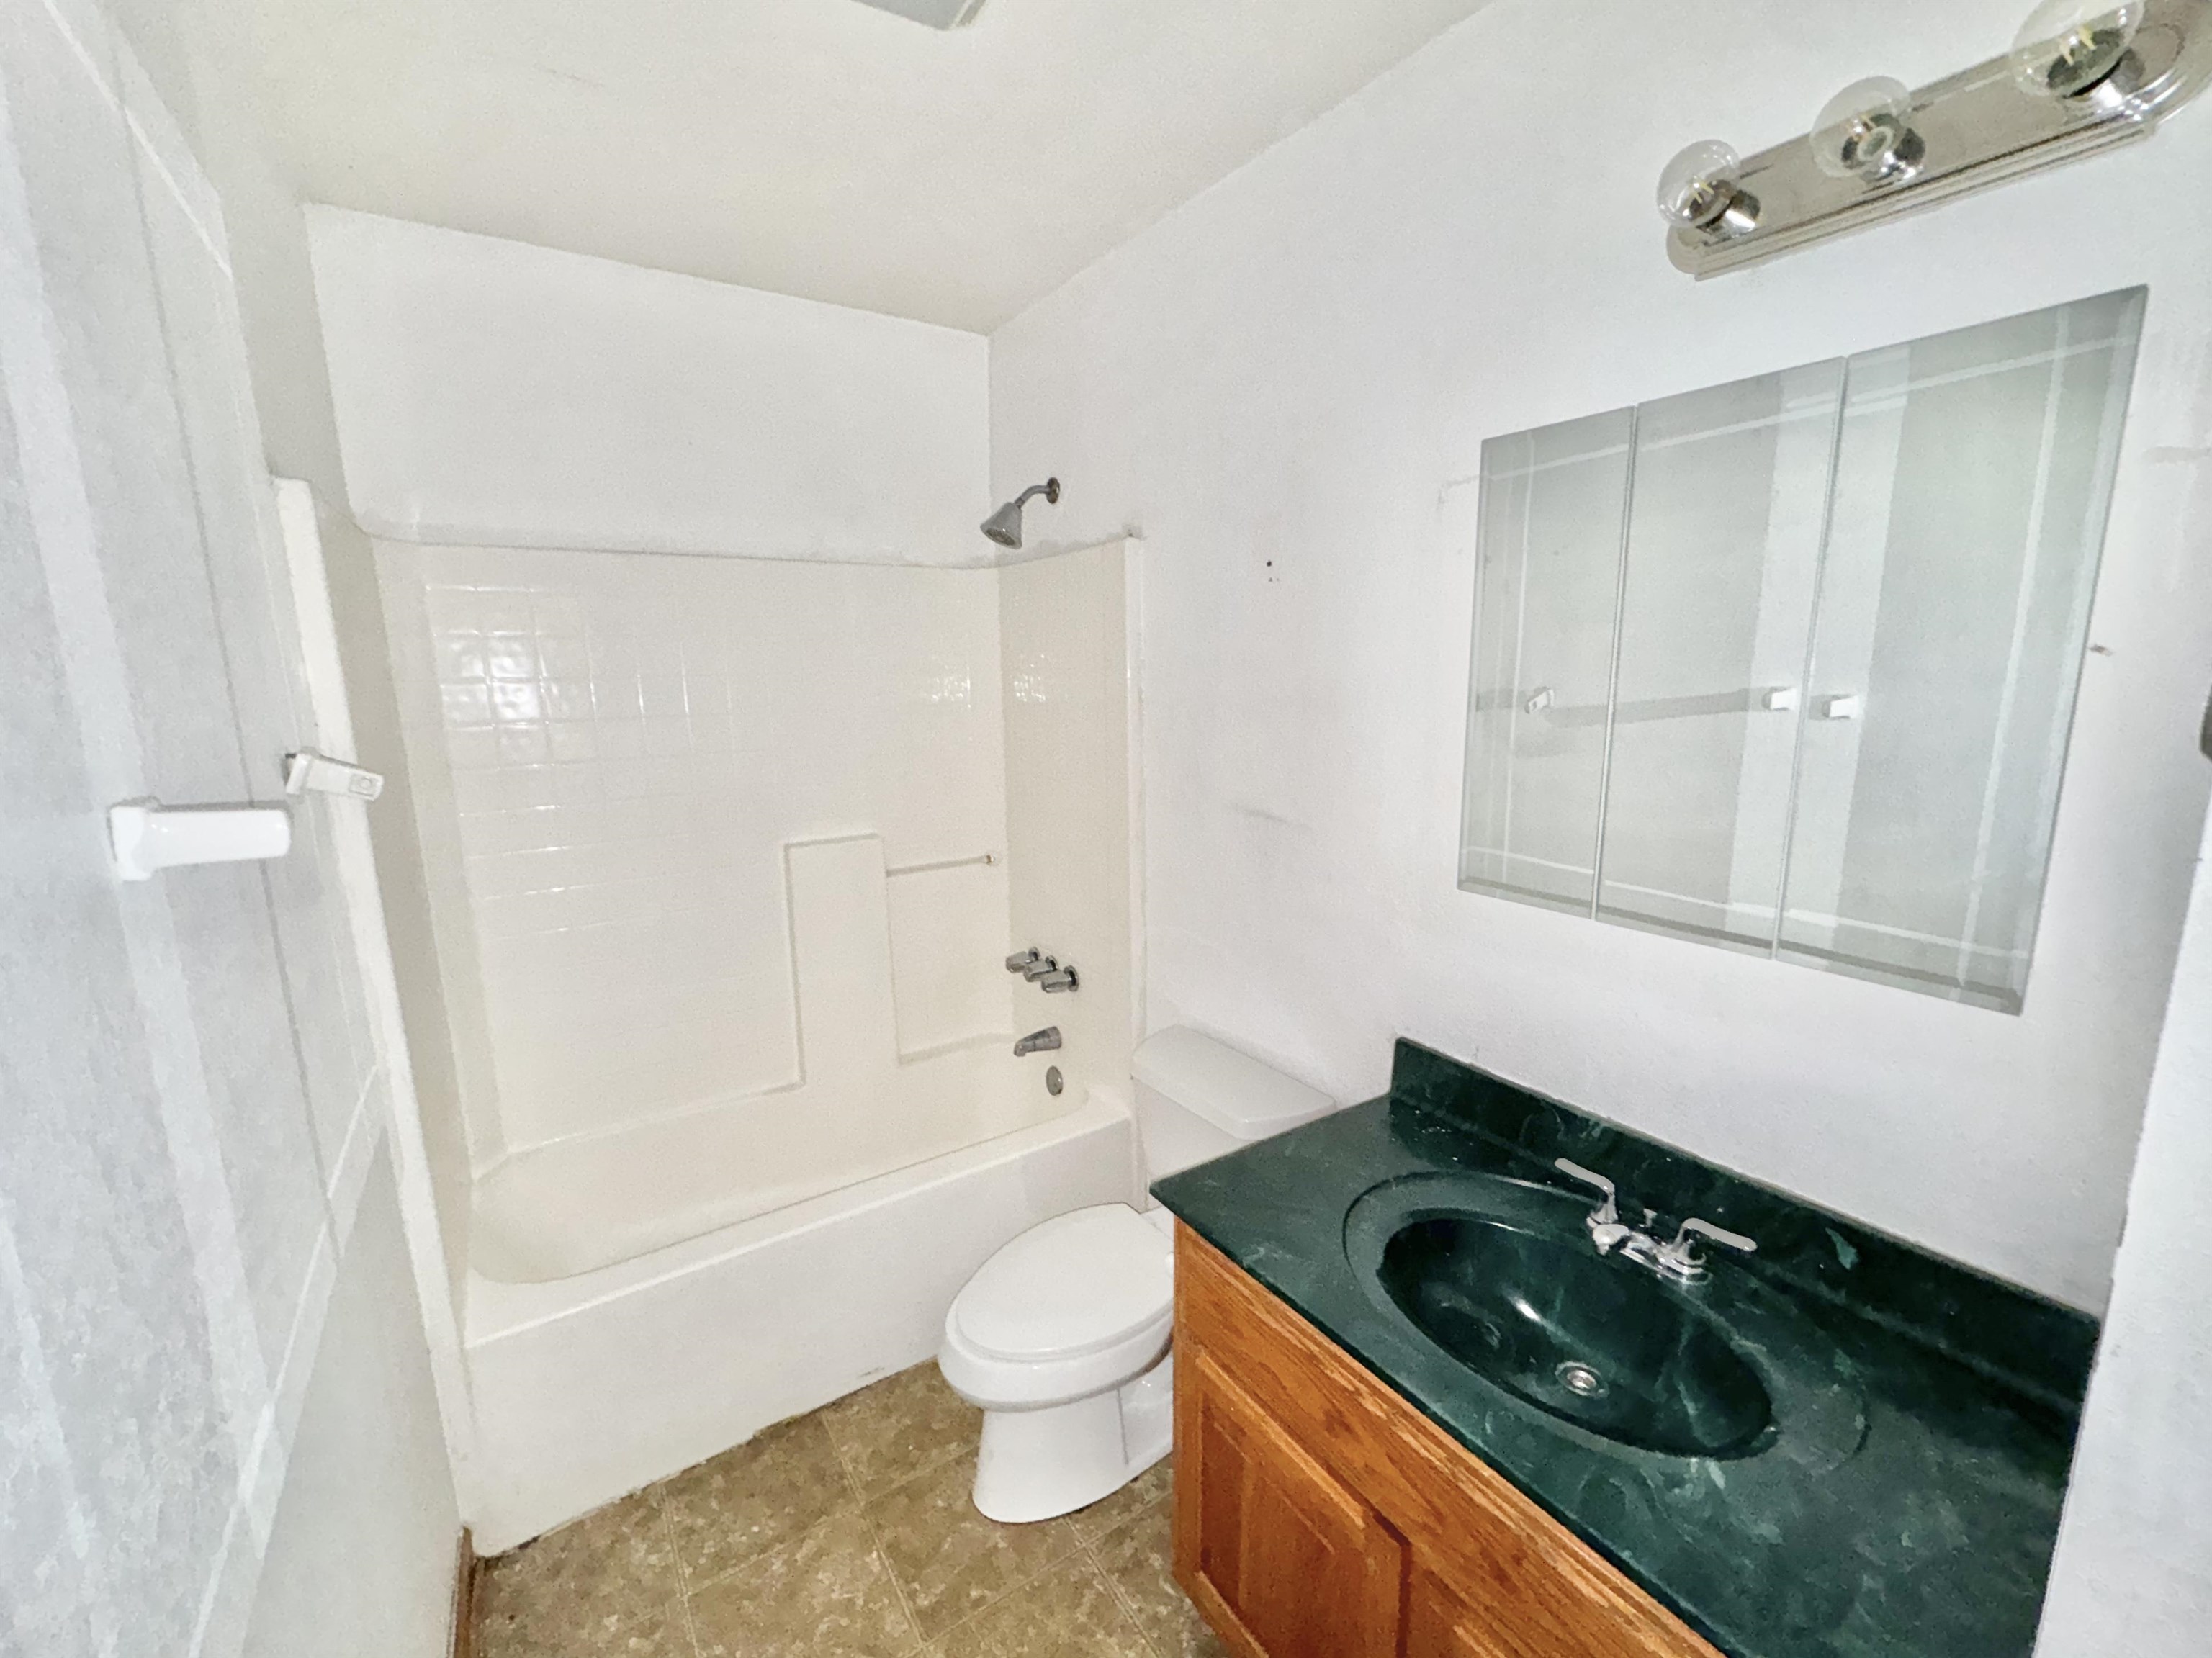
(813, 146)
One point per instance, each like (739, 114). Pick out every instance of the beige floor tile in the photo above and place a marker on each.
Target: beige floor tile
(784, 1480)
(784, 1561)
(606, 1584)
(1133, 1499)
(1137, 1559)
(951, 1561)
(662, 1635)
(1070, 1612)
(893, 1430)
(825, 1594)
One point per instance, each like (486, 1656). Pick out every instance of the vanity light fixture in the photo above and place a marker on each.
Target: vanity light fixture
(2082, 76)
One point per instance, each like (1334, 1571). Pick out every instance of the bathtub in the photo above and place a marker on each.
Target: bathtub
(639, 1302)
(590, 1200)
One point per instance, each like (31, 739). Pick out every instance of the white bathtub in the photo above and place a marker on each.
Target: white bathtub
(589, 1201)
(639, 1302)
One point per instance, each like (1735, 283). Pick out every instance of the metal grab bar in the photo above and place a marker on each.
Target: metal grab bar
(942, 862)
(1757, 699)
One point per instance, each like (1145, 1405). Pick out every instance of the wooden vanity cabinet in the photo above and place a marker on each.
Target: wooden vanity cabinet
(1288, 1556)
(1320, 1515)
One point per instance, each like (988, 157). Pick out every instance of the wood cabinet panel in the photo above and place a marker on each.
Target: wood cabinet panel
(1497, 1577)
(1441, 1624)
(1286, 1562)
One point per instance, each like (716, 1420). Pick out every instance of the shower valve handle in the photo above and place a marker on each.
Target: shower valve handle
(1038, 968)
(1019, 962)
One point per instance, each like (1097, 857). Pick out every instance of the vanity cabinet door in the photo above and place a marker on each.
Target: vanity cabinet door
(1545, 1617)
(1439, 1624)
(1285, 1562)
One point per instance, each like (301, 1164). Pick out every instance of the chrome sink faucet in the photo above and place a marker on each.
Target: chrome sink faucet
(1679, 1260)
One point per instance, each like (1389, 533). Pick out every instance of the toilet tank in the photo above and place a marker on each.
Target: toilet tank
(1198, 1099)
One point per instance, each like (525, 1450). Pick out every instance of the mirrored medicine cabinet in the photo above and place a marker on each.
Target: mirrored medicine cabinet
(1787, 665)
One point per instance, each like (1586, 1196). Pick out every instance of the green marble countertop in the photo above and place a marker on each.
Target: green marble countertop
(1908, 1500)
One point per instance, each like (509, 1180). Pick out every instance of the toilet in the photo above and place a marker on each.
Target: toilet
(1062, 1337)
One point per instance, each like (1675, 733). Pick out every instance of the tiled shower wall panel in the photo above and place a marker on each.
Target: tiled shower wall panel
(614, 749)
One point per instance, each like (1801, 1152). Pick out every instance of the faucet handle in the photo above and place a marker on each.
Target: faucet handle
(1038, 968)
(1021, 959)
(1718, 1234)
(1607, 1213)
(1683, 1251)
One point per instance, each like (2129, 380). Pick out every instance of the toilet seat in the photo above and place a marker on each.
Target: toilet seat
(1076, 1284)
(1078, 1304)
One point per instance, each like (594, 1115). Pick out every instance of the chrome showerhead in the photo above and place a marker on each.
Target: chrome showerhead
(1005, 526)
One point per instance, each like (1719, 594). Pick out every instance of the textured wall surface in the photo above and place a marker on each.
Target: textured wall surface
(1284, 386)
(2134, 1568)
(361, 1561)
(199, 55)
(193, 1100)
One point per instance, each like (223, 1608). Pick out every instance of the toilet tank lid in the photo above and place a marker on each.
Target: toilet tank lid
(1232, 1090)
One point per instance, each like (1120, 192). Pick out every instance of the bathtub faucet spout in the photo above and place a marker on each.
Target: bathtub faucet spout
(1038, 1042)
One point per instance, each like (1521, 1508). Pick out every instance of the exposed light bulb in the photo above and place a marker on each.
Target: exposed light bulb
(2068, 47)
(1699, 190)
(1864, 132)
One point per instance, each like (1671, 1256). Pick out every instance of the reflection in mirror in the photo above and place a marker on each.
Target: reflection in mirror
(1550, 526)
(1971, 484)
(1724, 541)
(1788, 664)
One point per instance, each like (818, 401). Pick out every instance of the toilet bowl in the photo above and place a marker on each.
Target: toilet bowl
(1062, 1336)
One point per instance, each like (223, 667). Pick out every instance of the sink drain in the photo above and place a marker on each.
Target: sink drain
(1577, 1378)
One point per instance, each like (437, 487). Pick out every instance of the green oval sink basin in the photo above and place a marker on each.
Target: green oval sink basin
(1598, 1341)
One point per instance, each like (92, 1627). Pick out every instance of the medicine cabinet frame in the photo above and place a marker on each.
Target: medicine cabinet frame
(1788, 664)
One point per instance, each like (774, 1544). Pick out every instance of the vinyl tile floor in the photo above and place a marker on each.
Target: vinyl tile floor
(844, 1534)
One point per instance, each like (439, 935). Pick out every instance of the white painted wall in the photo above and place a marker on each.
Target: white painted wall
(195, 1097)
(361, 1553)
(493, 393)
(2133, 1572)
(1274, 385)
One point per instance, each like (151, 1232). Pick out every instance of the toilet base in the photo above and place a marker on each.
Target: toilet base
(1038, 1465)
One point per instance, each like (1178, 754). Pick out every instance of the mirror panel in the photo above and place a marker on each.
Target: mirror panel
(1729, 495)
(1547, 592)
(1973, 480)
(1788, 664)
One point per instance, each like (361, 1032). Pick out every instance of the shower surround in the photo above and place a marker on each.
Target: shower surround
(737, 766)
(723, 856)
(614, 753)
